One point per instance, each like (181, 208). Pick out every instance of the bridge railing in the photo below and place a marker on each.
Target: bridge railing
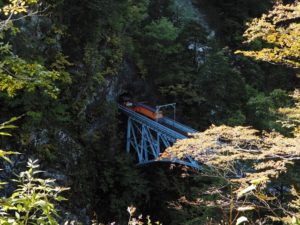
(177, 125)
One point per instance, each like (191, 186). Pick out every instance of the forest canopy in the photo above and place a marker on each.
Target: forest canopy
(231, 67)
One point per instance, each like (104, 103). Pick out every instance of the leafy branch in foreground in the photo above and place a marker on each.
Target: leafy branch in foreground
(276, 36)
(248, 163)
(33, 202)
(3, 132)
(13, 8)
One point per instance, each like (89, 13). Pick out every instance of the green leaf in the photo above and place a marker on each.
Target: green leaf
(41, 203)
(4, 134)
(60, 198)
(19, 207)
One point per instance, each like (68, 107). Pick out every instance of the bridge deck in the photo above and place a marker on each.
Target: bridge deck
(178, 127)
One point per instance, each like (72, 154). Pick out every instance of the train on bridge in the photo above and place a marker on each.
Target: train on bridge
(141, 108)
(155, 114)
(145, 110)
(149, 132)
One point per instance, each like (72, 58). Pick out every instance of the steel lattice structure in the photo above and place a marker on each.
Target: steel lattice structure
(148, 138)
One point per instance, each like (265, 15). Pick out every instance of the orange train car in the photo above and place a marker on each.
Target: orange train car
(144, 110)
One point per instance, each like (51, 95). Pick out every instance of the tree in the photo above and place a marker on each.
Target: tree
(18, 73)
(247, 163)
(275, 39)
(275, 36)
(159, 43)
(157, 53)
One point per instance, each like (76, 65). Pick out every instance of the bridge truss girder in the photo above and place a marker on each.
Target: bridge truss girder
(148, 143)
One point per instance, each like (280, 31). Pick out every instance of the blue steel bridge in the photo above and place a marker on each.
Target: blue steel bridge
(149, 138)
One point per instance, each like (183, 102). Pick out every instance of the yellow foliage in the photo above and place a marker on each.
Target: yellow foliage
(293, 114)
(247, 160)
(281, 31)
(17, 6)
(220, 148)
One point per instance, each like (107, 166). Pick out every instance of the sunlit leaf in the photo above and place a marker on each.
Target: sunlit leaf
(246, 190)
(241, 220)
(245, 208)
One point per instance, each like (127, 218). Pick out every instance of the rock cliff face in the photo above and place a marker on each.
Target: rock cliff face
(187, 10)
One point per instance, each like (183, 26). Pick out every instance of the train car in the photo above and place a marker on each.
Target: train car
(126, 100)
(144, 110)
(147, 111)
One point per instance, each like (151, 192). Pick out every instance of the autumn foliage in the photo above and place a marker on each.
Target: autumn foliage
(276, 36)
(248, 161)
